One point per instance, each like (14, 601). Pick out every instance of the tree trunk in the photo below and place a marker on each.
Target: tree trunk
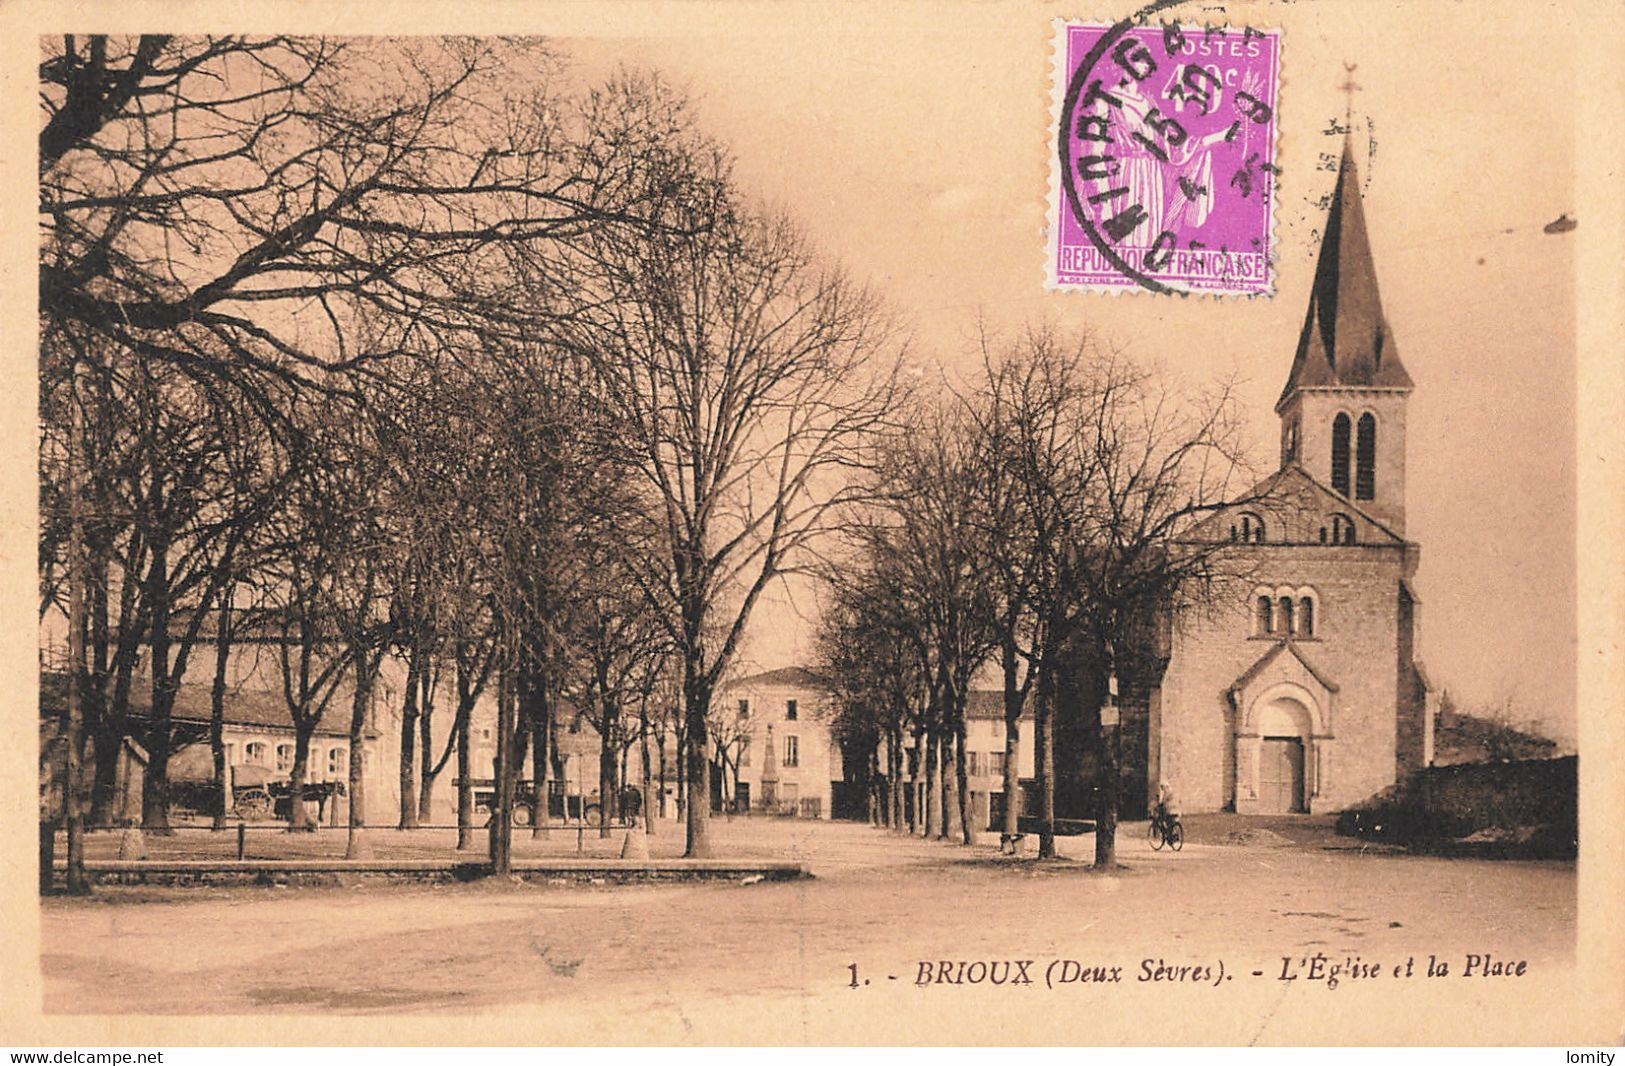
(356, 844)
(933, 753)
(78, 882)
(113, 711)
(465, 786)
(966, 833)
(501, 825)
(660, 743)
(879, 798)
(696, 707)
(105, 742)
(155, 782)
(648, 775)
(217, 706)
(609, 792)
(1012, 741)
(519, 750)
(298, 819)
(104, 737)
(428, 773)
(916, 796)
(894, 760)
(109, 737)
(682, 773)
(409, 732)
(541, 755)
(1044, 750)
(1109, 738)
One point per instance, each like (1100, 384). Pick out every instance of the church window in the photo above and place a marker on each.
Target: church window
(1340, 454)
(1252, 529)
(1365, 458)
(1292, 439)
(1342, 529)
(1306, 617)
(1266, 616)
(1284, 616)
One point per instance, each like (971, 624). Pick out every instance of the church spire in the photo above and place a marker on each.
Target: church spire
(1345, 340)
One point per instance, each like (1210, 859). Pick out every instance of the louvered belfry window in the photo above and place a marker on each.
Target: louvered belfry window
(1340, 454)
(1365, 459)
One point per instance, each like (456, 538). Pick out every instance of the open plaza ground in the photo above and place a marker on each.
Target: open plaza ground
(1245, 892)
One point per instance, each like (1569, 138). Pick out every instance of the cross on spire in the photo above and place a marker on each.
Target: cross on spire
(1349, 87)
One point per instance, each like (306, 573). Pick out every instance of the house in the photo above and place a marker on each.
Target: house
(775, 746)
(259, 745)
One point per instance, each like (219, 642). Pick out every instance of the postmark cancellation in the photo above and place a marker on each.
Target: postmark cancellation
(1163, 174)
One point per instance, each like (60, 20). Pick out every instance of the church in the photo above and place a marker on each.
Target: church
(1300, 690)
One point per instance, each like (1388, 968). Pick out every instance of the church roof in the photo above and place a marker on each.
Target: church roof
(1289, 491)
(1346, 340)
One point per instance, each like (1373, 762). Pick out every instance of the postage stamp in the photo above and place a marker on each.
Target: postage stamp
(1164, 174)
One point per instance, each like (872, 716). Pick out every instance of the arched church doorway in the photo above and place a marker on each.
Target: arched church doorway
(1283, 727)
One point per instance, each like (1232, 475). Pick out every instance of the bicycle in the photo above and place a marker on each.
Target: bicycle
(1166, 829)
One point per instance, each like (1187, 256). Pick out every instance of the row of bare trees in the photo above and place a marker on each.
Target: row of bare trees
(1034, 531)
(413, 350)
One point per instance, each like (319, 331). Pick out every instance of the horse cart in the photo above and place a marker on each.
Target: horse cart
(257, 794)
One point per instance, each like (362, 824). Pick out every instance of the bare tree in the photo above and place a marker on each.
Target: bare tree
(1032, 483)
(617, 645)
(183, 479)
(1160, 463)
(256, 195)
(325, 587)
(927, 539)
(749, 382)
(876, 679)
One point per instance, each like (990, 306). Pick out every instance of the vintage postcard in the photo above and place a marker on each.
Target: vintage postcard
(810, 524)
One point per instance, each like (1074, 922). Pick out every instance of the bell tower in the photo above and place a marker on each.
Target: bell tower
(1343, 409)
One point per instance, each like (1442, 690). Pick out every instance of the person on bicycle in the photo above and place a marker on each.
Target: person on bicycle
(1167, 810)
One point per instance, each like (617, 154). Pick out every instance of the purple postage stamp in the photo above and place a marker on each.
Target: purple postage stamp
(1164, 178)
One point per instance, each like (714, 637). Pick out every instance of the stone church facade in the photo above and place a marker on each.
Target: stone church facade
(1298, 690)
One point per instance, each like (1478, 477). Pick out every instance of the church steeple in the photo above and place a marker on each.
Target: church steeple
(1343, 408)
(1345, 339)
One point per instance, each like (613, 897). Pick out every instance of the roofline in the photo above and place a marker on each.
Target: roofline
(1356, 508)
(1280, 404)
(238, 723)
(1297, 465)
(757, 679)
(1288, 644)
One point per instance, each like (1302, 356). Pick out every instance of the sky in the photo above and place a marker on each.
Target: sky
(914, 146)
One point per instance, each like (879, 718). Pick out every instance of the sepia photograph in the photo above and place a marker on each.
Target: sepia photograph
(807, 524)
